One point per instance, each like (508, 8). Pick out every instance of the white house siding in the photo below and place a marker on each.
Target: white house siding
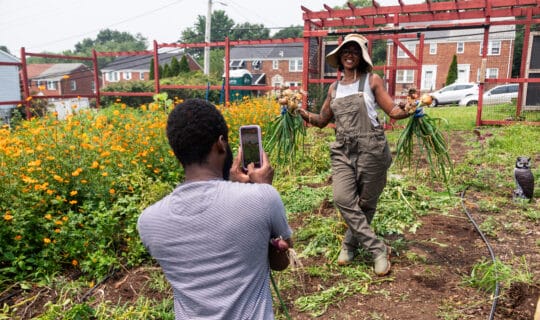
(9, 85)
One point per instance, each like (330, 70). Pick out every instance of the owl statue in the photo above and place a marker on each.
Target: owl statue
(524, 179)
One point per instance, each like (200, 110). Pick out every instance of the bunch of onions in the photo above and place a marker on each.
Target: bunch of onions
(287, 131)
(431, 143)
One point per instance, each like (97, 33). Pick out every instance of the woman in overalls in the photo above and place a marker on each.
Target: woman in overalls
(360, 155)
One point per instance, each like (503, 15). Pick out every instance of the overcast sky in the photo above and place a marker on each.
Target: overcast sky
(57, 25)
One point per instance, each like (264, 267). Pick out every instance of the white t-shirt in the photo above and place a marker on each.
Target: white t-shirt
(211, 239)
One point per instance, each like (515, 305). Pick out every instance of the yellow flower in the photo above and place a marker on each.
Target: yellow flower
(73, 202)
(74, 262)
(58, 178)
(112, 191)
(94, 165)
(104, 174)
(48, 216)
(76, 172)
(116, 112)
(46, 240)
(74, 192)
(8, 217)
(57, 230)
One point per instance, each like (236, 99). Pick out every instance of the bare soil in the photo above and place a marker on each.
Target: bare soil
(426, 281)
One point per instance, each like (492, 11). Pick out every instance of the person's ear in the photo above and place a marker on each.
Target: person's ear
(222, 144)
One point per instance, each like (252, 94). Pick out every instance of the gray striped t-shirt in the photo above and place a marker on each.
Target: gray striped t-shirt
(211, 240)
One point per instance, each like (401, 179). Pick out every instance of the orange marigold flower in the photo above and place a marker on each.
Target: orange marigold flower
(57, 230)
(8, 217)
(18, 237)
(112, 191)
(94, 165)
(74, 262)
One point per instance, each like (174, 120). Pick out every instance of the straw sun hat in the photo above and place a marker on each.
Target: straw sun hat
(333, 57)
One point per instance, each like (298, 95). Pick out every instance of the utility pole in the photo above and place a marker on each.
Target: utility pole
(207, 39)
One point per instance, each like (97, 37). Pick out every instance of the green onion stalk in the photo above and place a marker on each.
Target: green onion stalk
(431, 143)
(287, 131)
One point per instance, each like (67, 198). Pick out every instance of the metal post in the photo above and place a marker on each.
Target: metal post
(207, 39)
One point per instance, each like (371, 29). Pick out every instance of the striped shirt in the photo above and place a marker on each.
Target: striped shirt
(211, 240)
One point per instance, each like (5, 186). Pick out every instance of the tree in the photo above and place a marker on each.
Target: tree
(518, 49)
(111, 40)
(175, 67)
(151, 72)
(4, 48)
(248, 31)
(289, 32)
(166, 71)
(221, 26)
(452, 72)
(183, 66)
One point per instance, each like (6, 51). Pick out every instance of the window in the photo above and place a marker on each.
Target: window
(294, 84)
(433, 48)
(494, 48)
(73, 85)
(93, 86)
(51, 85)
(141, 75)
(256, 64)
(111, 76)
(127, 75)
(491, 73)
(295, 65)
(405, 76)
(460, 47)
(237, 64)
(275, 64)
(410, 46)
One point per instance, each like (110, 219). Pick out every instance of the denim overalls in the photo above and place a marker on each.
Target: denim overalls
(360, 160)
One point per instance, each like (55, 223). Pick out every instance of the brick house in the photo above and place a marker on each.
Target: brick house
(137, 68)
(441, 46)
(60, 78)
(273, 65)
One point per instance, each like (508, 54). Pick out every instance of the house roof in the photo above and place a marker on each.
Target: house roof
(268, 51)
(496, 32)
(52, 71)
(7, 57)
(142, 63)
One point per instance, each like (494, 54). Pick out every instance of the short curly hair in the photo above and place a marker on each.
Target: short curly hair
(192, 128)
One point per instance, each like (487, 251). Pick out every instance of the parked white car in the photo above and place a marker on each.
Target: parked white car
(497, 95)
(453, 93)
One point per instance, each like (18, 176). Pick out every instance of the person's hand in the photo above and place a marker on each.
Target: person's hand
(238, 174)
(264, 174)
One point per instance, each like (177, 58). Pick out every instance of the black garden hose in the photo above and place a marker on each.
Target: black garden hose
(497, 288)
